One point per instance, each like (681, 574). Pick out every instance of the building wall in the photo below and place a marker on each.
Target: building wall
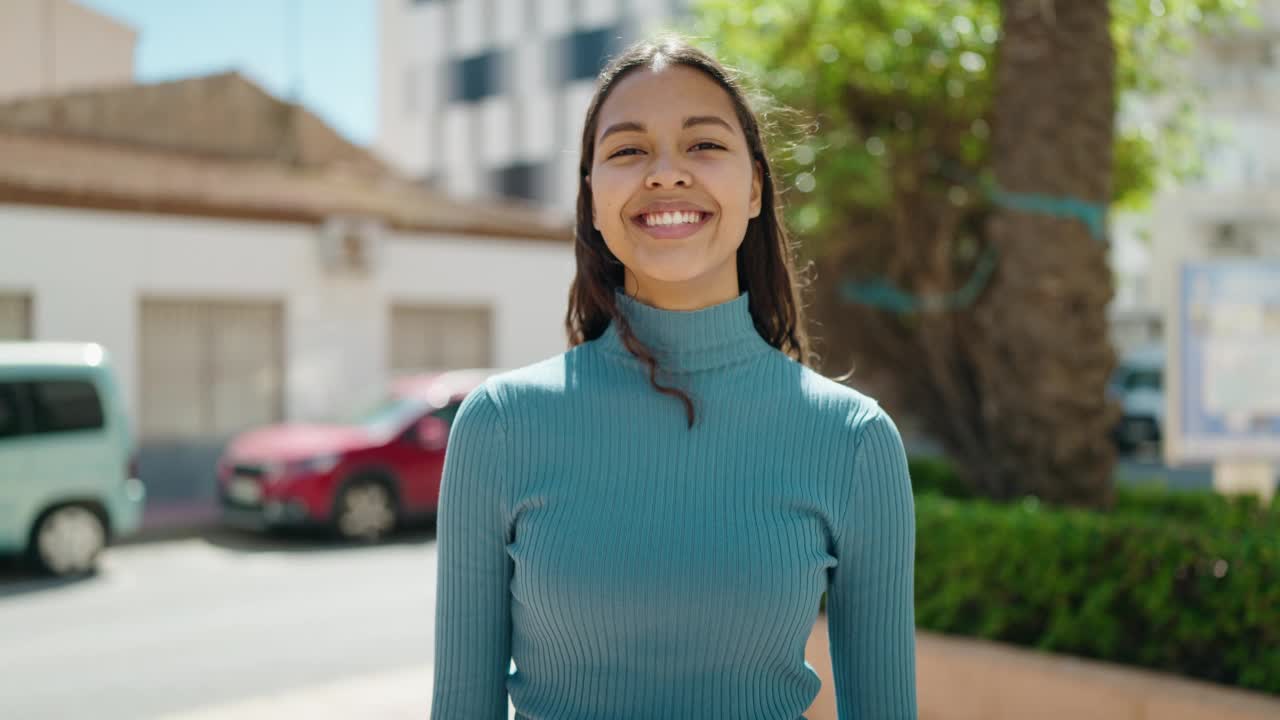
(528, 127)
(86, 273)
(1190, 224)
(1233, 209)
(49, 46)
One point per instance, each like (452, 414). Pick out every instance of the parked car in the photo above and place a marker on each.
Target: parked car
(1138, 385)
(68, 473)
(360, 480)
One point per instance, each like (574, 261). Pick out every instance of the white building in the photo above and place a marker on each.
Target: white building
(487, 97)
(244, 264)
(51, 46)
(1234, 209)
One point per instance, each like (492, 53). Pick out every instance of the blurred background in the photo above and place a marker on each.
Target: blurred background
(254, 254)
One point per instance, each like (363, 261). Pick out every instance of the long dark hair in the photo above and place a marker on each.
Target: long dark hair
(766, 266)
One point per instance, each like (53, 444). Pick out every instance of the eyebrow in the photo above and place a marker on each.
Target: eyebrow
(692, 120)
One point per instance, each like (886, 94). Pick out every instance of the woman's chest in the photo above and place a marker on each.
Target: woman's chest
(689, 545)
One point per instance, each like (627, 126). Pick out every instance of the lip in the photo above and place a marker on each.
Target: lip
(669, 232)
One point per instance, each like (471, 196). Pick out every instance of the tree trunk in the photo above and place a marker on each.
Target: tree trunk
(1044, 347)
(1012, 381)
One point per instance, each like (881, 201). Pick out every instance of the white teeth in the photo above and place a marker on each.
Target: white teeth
(672, 218)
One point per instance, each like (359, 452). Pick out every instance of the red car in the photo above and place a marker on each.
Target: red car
(361, 480)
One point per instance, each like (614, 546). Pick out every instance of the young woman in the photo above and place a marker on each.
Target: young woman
(643, 526)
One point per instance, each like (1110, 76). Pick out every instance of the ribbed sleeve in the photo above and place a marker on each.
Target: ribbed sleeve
(473, 618)
(870, 601)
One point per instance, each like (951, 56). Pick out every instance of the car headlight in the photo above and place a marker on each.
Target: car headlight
(322, 463)
(318, 465)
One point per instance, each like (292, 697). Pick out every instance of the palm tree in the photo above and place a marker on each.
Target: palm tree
(1044, 355)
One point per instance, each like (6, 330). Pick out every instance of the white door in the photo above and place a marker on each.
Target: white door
(209, 368)
(440, 337)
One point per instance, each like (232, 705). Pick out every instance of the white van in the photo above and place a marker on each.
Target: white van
(68, 482)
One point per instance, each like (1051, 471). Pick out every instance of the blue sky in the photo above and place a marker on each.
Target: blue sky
(335, 59)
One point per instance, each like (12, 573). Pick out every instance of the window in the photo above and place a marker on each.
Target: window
(1144, 379)
(476, 78)
(209, 368)
(10, 411)
(65, 405)
(15, 317)
(520, 180)
(440, 337)
(1235, 239)
(586, 52)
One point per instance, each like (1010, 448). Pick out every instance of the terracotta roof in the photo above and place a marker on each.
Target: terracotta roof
(221, 147)
(224, 115)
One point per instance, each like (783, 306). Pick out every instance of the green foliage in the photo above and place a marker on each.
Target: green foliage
(1199, 508)
(886, 80)
(1184, 582)
(1195, 598)
(930, 475)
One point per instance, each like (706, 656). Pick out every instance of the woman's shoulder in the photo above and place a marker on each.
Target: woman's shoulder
(513, 387)
(842, 415)
(844, 406)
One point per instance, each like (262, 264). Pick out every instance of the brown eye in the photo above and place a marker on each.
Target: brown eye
(618, 153)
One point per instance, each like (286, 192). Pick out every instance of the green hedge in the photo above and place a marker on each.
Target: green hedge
(1198, 507)
(1183, 582)
(1127, 587)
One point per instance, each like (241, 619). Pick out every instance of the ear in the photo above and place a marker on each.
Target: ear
(757, 185)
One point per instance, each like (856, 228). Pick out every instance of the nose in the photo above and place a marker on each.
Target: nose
(667, 172)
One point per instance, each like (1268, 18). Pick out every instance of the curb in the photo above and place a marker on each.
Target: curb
(173, 522)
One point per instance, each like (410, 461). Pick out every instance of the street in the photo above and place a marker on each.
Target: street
(224, 625)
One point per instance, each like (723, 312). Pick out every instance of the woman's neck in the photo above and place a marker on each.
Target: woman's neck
(685, 295)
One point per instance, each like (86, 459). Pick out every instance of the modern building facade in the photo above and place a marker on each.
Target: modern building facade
(486, 97)
(1233, 209)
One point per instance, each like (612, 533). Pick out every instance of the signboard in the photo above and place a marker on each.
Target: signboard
(1223, 375)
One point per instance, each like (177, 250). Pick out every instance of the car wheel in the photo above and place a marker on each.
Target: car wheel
(68, 540)
(365, 511)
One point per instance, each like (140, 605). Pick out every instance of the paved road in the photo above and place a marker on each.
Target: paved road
(223, 626)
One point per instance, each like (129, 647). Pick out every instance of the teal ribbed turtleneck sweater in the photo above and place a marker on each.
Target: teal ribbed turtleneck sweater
(599, 559)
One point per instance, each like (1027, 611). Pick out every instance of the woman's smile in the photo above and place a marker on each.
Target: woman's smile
(671, 225)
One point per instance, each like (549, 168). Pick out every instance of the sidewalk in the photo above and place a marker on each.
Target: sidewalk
(173, 519)
(390, 695)
(405, 693)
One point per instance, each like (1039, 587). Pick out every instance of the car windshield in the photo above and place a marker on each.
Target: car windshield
(390, 415)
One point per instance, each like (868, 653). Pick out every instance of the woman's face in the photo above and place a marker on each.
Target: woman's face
(673, 185)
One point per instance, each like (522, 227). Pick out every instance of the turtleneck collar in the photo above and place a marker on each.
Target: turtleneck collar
(689, 340)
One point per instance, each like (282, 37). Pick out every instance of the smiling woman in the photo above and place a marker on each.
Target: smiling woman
(662, 177)
(676, 203)
(637, 559)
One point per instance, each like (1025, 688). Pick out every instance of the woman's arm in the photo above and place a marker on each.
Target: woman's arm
(473, 619)
(870, 602)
